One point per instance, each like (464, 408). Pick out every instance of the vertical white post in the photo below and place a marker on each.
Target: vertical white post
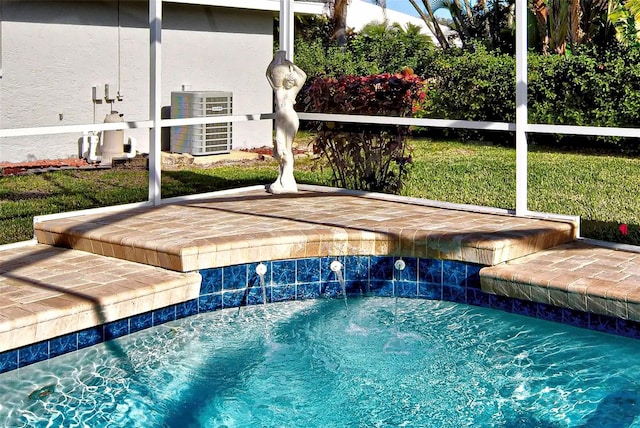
(155, 99)
(521, 108)
(286, 27)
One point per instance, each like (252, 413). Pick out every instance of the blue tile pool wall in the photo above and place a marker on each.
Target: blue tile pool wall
(40, 351)
(312, 278)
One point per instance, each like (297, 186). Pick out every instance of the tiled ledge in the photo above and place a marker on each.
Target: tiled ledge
(578, 276)
(46, 292)
(252, 226)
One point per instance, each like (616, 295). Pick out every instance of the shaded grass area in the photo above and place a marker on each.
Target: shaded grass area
(23, 197)
(603, 190)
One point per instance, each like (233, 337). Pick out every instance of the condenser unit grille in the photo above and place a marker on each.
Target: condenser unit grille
(205, 139)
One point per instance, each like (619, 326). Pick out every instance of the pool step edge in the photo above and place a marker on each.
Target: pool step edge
(578, 275)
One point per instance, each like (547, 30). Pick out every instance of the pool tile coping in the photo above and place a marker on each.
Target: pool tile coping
(579, 275)
(48, 291)
(251, 225)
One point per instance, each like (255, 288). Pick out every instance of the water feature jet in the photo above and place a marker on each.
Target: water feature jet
(261, 270)
(336, 267)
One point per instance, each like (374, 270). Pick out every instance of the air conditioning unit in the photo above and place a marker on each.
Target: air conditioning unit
(205, 139)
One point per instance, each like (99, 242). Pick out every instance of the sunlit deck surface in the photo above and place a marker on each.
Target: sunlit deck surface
(98, 267)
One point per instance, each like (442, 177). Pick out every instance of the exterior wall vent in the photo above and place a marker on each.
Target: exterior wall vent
(205, 139)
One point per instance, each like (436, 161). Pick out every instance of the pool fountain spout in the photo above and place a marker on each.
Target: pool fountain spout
(261, 270)
(400, 266)
(336, 267)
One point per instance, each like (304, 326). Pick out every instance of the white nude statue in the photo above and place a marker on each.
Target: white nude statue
(286, 79)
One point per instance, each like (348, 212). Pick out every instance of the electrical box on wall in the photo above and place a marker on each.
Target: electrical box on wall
(205, 139)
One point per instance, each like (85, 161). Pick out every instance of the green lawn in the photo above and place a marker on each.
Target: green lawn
(23, 197)
(603, 190)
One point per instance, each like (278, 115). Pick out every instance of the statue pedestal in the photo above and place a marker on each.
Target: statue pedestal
(278, 188)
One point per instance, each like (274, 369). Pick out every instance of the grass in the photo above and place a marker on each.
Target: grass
(23, 197)
(602, 190)
(462, 173)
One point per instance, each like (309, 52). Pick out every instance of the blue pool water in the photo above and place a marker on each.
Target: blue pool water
(379, 362)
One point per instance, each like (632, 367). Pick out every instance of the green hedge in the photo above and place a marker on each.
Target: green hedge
(476, 85)
(587, 87)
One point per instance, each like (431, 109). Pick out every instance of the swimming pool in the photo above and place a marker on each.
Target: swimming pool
(376, 362)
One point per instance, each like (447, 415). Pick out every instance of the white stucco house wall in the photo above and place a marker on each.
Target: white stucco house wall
(54, 53)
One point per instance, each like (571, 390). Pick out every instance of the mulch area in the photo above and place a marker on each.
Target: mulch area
(47, 165)
(268, 150)
(18, 168)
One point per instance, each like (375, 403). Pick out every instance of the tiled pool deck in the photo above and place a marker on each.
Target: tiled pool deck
(178, 258)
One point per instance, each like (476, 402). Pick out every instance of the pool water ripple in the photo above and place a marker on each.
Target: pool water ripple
(317, 363)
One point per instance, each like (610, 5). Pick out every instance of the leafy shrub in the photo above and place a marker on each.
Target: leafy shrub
(587, 89)
(391, 48)
(318, 60)
(466, 85)
(378, 48)
(362, 156)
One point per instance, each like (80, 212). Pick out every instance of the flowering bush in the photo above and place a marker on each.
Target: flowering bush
(363, 156)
